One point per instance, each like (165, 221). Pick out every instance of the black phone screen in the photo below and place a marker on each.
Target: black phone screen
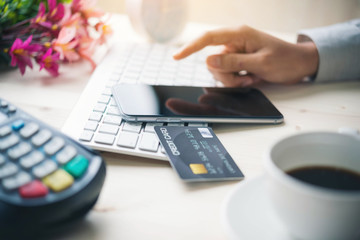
(141, 100)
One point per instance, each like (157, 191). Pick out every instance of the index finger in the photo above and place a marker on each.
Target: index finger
(211, 38)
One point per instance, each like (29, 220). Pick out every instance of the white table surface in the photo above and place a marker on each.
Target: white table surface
(144, 198)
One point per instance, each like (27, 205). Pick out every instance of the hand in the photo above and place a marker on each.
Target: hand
(261, 56)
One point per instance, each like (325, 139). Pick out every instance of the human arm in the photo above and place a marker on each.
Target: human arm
(262, 56)
(339, 50)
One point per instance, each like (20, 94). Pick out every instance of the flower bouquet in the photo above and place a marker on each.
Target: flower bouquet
(50, 32)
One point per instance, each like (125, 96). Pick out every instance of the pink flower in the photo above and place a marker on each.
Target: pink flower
(67, 15)
(40, 17)
(59, 32)
(86, 49)
(49, 20)
(104, 30)
(21, 53)
(56, 12)
(49, 61)
(78, 23)
(66, 43)
(86, 8)
(76, 5)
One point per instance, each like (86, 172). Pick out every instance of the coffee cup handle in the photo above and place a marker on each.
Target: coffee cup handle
(350, 131)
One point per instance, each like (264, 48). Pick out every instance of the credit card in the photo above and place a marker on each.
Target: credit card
(197, 154)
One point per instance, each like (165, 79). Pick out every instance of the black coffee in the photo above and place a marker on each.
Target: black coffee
(328, 177)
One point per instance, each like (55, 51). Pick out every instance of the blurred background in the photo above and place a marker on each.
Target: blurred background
(275, 15)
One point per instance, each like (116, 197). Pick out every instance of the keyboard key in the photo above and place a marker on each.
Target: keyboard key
(113, 103)
(107, 92)
(4, 104)
(16, 181)
(109, 84)
(147, 80)
(116, 120)
(100, 107)
(198, 124)
(167, 76)
(113, 110)
(104, 138)
(162, 80)
(59, 180)
(176, 124)
(3, 118)
(149, 127)
(31, 159)
(66, 154)
(86, 136)
(33, 189)
(127, 139)
(150, 73)
(77, 166)
(130, 77)
(91, 125)
(135, 67)
(132, 126)
(169, 67)
(44, 169)
(104, 99)
(4, 131)
(19, 150)
(12, 109)
(96, 116)
(153, 65)
(162, 149)
(18, 124)
(41, 137)
(54, 145)
(149, 142)
(2, 159)
(107, 128)
(8, 169)
(115, 77)
(29, 130)
(184, 76)
(8, 142)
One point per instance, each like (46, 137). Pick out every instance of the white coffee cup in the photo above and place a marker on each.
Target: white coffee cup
(309, 211)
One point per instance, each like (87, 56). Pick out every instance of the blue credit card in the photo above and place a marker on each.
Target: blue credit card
(197, 154)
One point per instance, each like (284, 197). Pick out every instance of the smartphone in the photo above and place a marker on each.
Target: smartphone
(158, 103)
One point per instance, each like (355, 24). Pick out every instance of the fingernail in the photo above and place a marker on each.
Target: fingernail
(214, 61)
(175, 56)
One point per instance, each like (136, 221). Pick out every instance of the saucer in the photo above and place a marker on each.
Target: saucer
(247, 213)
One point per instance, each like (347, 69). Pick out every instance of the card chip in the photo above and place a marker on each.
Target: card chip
(202, 158)
(198, 168)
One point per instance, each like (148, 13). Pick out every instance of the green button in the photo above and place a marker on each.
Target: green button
(77, 166)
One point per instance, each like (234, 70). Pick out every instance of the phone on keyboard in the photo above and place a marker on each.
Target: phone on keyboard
(96, 121)
(47, 179)
(158, 103)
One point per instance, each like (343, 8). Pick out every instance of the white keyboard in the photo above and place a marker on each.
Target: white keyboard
(96, 121)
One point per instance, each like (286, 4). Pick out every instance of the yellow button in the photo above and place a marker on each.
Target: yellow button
(58, 181)
(198, 168)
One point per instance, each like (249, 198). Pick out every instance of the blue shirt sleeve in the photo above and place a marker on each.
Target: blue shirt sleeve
(339, 50)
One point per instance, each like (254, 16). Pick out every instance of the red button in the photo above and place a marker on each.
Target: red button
(33, 189)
